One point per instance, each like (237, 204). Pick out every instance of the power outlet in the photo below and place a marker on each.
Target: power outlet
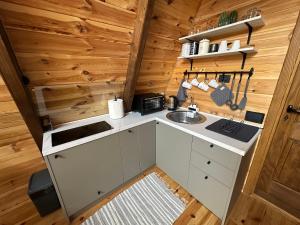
(224, 78)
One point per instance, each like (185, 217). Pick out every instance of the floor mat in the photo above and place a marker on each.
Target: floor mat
(149, 201)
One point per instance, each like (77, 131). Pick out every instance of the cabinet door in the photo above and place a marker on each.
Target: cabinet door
(208, 191)
(173, 148)
(147, 142)
(86, 172)
(130, 148)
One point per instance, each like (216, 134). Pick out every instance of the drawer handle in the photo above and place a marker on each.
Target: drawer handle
(208, 162)
(157, 122)
(206, 177)
(211, 145)
(100, 192)
(57, 156)
(129, 131)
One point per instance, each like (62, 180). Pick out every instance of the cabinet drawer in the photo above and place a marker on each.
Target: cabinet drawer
(220, 155)
(212, 168)
(211, 193)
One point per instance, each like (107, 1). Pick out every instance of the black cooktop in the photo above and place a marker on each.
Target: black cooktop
(236, 130)
(79, 132)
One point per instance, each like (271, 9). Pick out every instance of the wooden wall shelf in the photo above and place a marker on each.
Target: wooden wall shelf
(225, 30)
(218, 54)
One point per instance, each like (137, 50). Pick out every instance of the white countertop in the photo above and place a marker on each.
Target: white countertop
(133, 119)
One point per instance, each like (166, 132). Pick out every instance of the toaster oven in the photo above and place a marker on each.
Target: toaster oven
(148, 103)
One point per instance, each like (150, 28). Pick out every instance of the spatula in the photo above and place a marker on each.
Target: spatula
(235, 106)
(231, 96)
(243, 102)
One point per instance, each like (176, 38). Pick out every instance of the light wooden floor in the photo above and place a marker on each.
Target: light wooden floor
(248, 210)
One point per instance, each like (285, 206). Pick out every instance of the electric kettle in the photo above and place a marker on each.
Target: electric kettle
(173, 102)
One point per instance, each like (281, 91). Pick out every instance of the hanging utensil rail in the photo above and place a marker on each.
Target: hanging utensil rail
(231, 73)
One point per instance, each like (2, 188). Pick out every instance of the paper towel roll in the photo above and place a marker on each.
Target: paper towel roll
(116, 108)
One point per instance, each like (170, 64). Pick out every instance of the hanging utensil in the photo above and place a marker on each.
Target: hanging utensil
(231, 96)
(243, 102)
(235, 106)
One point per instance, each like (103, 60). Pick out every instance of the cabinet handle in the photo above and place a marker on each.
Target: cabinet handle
(129, 131)
(211, 145)
(206, 177)
(100, 192)
(157, 122)
(208, 162)
(57, 156)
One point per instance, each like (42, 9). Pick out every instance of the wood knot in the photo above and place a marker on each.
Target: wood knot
(81, 28)
(193, 216)
(84, 72)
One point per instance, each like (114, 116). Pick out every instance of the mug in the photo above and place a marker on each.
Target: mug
(203, 86)
(213, 83)
(195, 82)
(236, 45)
(186, 85)
(223, 46)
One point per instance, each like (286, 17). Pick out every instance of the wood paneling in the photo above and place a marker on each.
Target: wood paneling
(19, 158)
(13, 77)
(61, 44)
(170, 20)
(144, 14)
(271, 42)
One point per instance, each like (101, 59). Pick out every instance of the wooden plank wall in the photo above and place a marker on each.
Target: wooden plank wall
(19, 158)
(271, 42)
(76, 50)
(171, 20)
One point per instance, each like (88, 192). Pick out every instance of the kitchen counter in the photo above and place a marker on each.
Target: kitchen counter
(133, 119)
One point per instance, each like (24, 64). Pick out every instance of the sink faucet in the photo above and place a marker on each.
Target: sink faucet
(193, 107)
(193, 110)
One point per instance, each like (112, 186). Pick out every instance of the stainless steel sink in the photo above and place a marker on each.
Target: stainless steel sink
(182, 117)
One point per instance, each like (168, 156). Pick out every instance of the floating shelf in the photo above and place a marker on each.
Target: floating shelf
(217, 54)
(225, 30)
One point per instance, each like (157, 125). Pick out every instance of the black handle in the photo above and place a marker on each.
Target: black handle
(211, 145)
(100, 192)
(157, 122)
(57, 156)
(208, 162)
(129, 131)
(206, 177)
(291, 109)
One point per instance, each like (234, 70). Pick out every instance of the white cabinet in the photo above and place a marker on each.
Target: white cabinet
(147, 140)
(130, 149)
(173, 148)
(211, 193)
(86, 172)
(216, 176)
(138, 149)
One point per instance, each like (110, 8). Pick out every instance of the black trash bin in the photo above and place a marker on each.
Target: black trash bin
(42, 192)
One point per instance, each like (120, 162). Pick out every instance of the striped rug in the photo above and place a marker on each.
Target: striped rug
(149, 201)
